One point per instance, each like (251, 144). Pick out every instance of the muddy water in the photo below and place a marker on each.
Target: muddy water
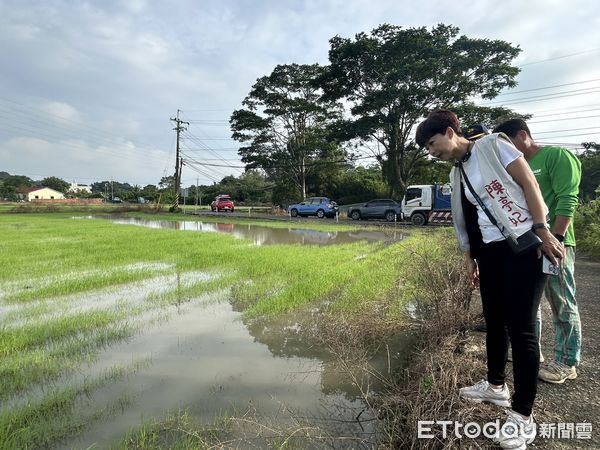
(265, 235)
(206, 361)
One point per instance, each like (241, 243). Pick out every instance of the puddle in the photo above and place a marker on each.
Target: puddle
(80, 299)
(262, 235)
(206, 361)
(125, 297)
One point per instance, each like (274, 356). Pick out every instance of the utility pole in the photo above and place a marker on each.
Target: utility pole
(179, 126)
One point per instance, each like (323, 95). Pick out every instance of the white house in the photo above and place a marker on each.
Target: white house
(44, 193)
(80, 188)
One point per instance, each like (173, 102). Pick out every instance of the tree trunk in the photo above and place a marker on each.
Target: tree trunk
(393, 174)
(303, 176)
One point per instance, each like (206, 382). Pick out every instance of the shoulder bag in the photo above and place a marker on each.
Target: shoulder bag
(527, 241)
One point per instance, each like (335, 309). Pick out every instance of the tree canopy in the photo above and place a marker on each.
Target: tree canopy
(284, 125)
(55, 183)
(393, 76)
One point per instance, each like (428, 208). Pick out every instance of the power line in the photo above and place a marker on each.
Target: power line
(548, 87)
(535, 98)
(192, 165)
(565, 109)
(569, 129)
(571, 135)
(565, 112)
(206, 110)
(562, 119)
(201, 141)
(560, 57)
(61, 122)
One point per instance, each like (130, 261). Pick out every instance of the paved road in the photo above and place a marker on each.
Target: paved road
(576, 401)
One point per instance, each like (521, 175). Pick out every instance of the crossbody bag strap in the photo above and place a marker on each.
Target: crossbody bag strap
(477, 198)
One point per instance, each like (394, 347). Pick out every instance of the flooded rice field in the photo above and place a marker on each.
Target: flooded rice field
(171, 342)
(198, 355)
(204, 360)
(261, 235)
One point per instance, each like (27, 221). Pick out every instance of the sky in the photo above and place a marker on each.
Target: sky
(88, 88)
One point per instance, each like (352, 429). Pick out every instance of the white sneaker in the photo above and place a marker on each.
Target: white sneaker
(557, 372)
(516, 432)
(483, 392)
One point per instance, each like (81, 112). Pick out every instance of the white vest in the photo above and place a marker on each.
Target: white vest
(509, 206)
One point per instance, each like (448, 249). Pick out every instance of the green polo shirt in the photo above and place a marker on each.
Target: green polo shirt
(558, 172)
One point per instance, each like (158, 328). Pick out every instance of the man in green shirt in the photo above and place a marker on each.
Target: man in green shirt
(558, 172)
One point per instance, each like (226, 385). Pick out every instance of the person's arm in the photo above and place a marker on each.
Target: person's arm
(521, 173)
(472, 269)
(565, 175)
(561, 225)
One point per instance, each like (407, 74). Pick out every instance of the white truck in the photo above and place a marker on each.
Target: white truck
(427, 203)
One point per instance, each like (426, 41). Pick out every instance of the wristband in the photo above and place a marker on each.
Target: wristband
(537, 226)
(560, 237)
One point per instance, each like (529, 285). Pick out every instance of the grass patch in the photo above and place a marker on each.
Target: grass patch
(587, 228)
(52, 258)
(60, 414)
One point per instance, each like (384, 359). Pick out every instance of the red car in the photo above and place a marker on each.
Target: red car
(222, 203)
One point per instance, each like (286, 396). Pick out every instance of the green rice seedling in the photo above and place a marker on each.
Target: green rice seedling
(60, 414)
(186, 293)
(28, 336)
(22, 370)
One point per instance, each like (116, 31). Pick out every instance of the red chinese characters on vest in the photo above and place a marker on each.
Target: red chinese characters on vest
(497, 192)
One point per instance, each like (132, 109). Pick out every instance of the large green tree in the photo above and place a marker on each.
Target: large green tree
(10, 183)
(393, 76)
(284, 126)
(58, 184)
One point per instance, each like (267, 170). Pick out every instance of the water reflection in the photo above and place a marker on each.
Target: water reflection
(290, 341)
(264, 235)
(207, 361)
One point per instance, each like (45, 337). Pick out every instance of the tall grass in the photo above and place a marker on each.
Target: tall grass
(587, 227)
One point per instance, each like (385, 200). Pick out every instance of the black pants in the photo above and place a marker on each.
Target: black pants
(511, 289)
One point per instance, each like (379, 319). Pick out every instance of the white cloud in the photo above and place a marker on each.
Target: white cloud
(74, 159)
(60, 111)
(115, 71)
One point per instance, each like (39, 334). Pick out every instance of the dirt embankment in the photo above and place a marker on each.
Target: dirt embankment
(448, 362)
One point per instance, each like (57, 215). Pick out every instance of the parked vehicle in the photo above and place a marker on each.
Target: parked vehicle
(427, 203)
(222, 203)
(314, 206)
(383, 208)
(116, 200)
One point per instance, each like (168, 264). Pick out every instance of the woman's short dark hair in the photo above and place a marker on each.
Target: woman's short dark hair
(437, 121)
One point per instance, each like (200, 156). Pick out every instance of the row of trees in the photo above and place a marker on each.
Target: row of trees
(344, 183)
(302, 123)
(10, 184)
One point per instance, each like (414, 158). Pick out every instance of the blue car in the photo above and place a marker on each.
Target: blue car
(314, 206)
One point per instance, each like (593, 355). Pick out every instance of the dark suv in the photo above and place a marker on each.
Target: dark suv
(222, 203)
(383, 208)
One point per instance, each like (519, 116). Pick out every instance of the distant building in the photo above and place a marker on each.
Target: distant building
(36, 193)
(81, 188)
